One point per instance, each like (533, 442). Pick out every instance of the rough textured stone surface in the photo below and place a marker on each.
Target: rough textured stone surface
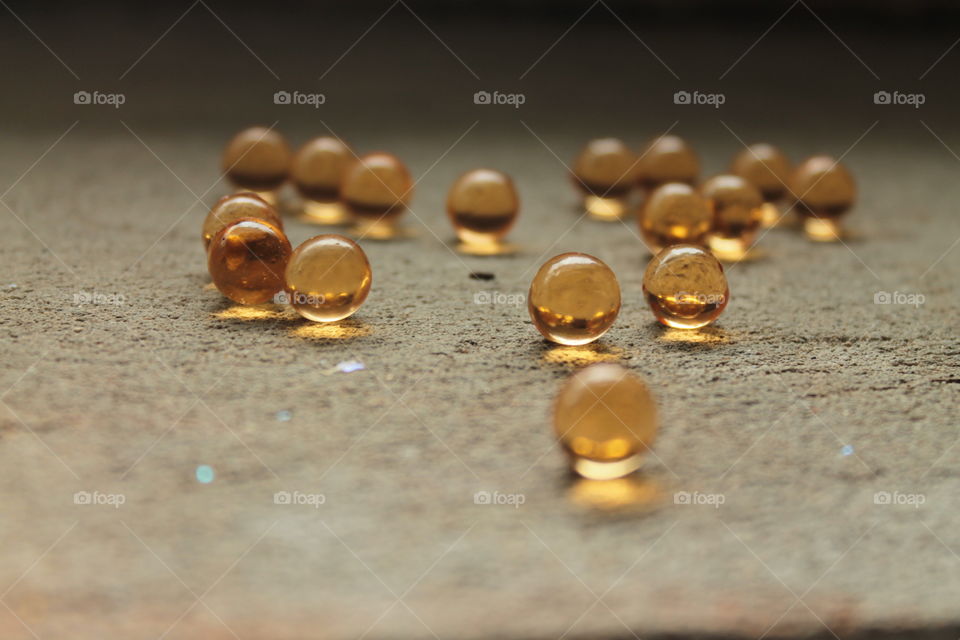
(454, 398)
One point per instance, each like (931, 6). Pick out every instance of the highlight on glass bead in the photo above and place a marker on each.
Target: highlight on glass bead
(737, 210)
(317, 172)
(667, 159)
(825, 190)
(673, 214)
(233, 207)
(376, 189)
(482, 206)
(605, 418)
(327, 278)
(574, 299)
(605, 173)
(685, 287)
(257, 159)
(247, 260)
(768, 168)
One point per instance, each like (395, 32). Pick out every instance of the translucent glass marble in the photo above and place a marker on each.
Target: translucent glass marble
(316, 173)
(737, 210)
(826, 190)
(667, 159)
(482, 206)
(605, 172)
(768, 169)
(327, 278)
(376, 190)
(231, 208)
(673, 214)
(257, 159)
(685, 287)
(606, 421)
(247, 260)
(574, 299)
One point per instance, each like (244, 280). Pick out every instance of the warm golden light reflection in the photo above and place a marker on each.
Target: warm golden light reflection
(487, 248)
(606, 209)
(632, 492)
(256, 312)
(209, 287)
(822, 229)
(325, 213)
(728, 250)
(712, 336)
(581, 356)
(595, 470)
(378, 230)
(770, 215)
(344, 330)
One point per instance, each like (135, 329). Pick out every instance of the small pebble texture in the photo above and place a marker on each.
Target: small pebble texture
(805, 481)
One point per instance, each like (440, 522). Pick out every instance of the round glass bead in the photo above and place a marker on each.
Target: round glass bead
(231, 208)
(257, 159)
(574, 299)
(482, 206)
(685, 287)
(606, 421)
(667, 159)
(328, 278)
(673, 214)
(247, 259)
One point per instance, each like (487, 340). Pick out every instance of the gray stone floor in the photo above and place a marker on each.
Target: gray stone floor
(802, 403)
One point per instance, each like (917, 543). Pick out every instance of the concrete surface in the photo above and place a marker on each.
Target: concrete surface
(122, 372)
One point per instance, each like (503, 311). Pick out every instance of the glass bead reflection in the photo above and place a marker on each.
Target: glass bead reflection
(257, 159)
(667, 159)
(328, 278)
(231, 208)
(574, 299)
(317, 172)
(685, 287)
(737, 209)
(605, 173)
(247, 259)
(482, 206)
(606, 421)
(674, 213)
